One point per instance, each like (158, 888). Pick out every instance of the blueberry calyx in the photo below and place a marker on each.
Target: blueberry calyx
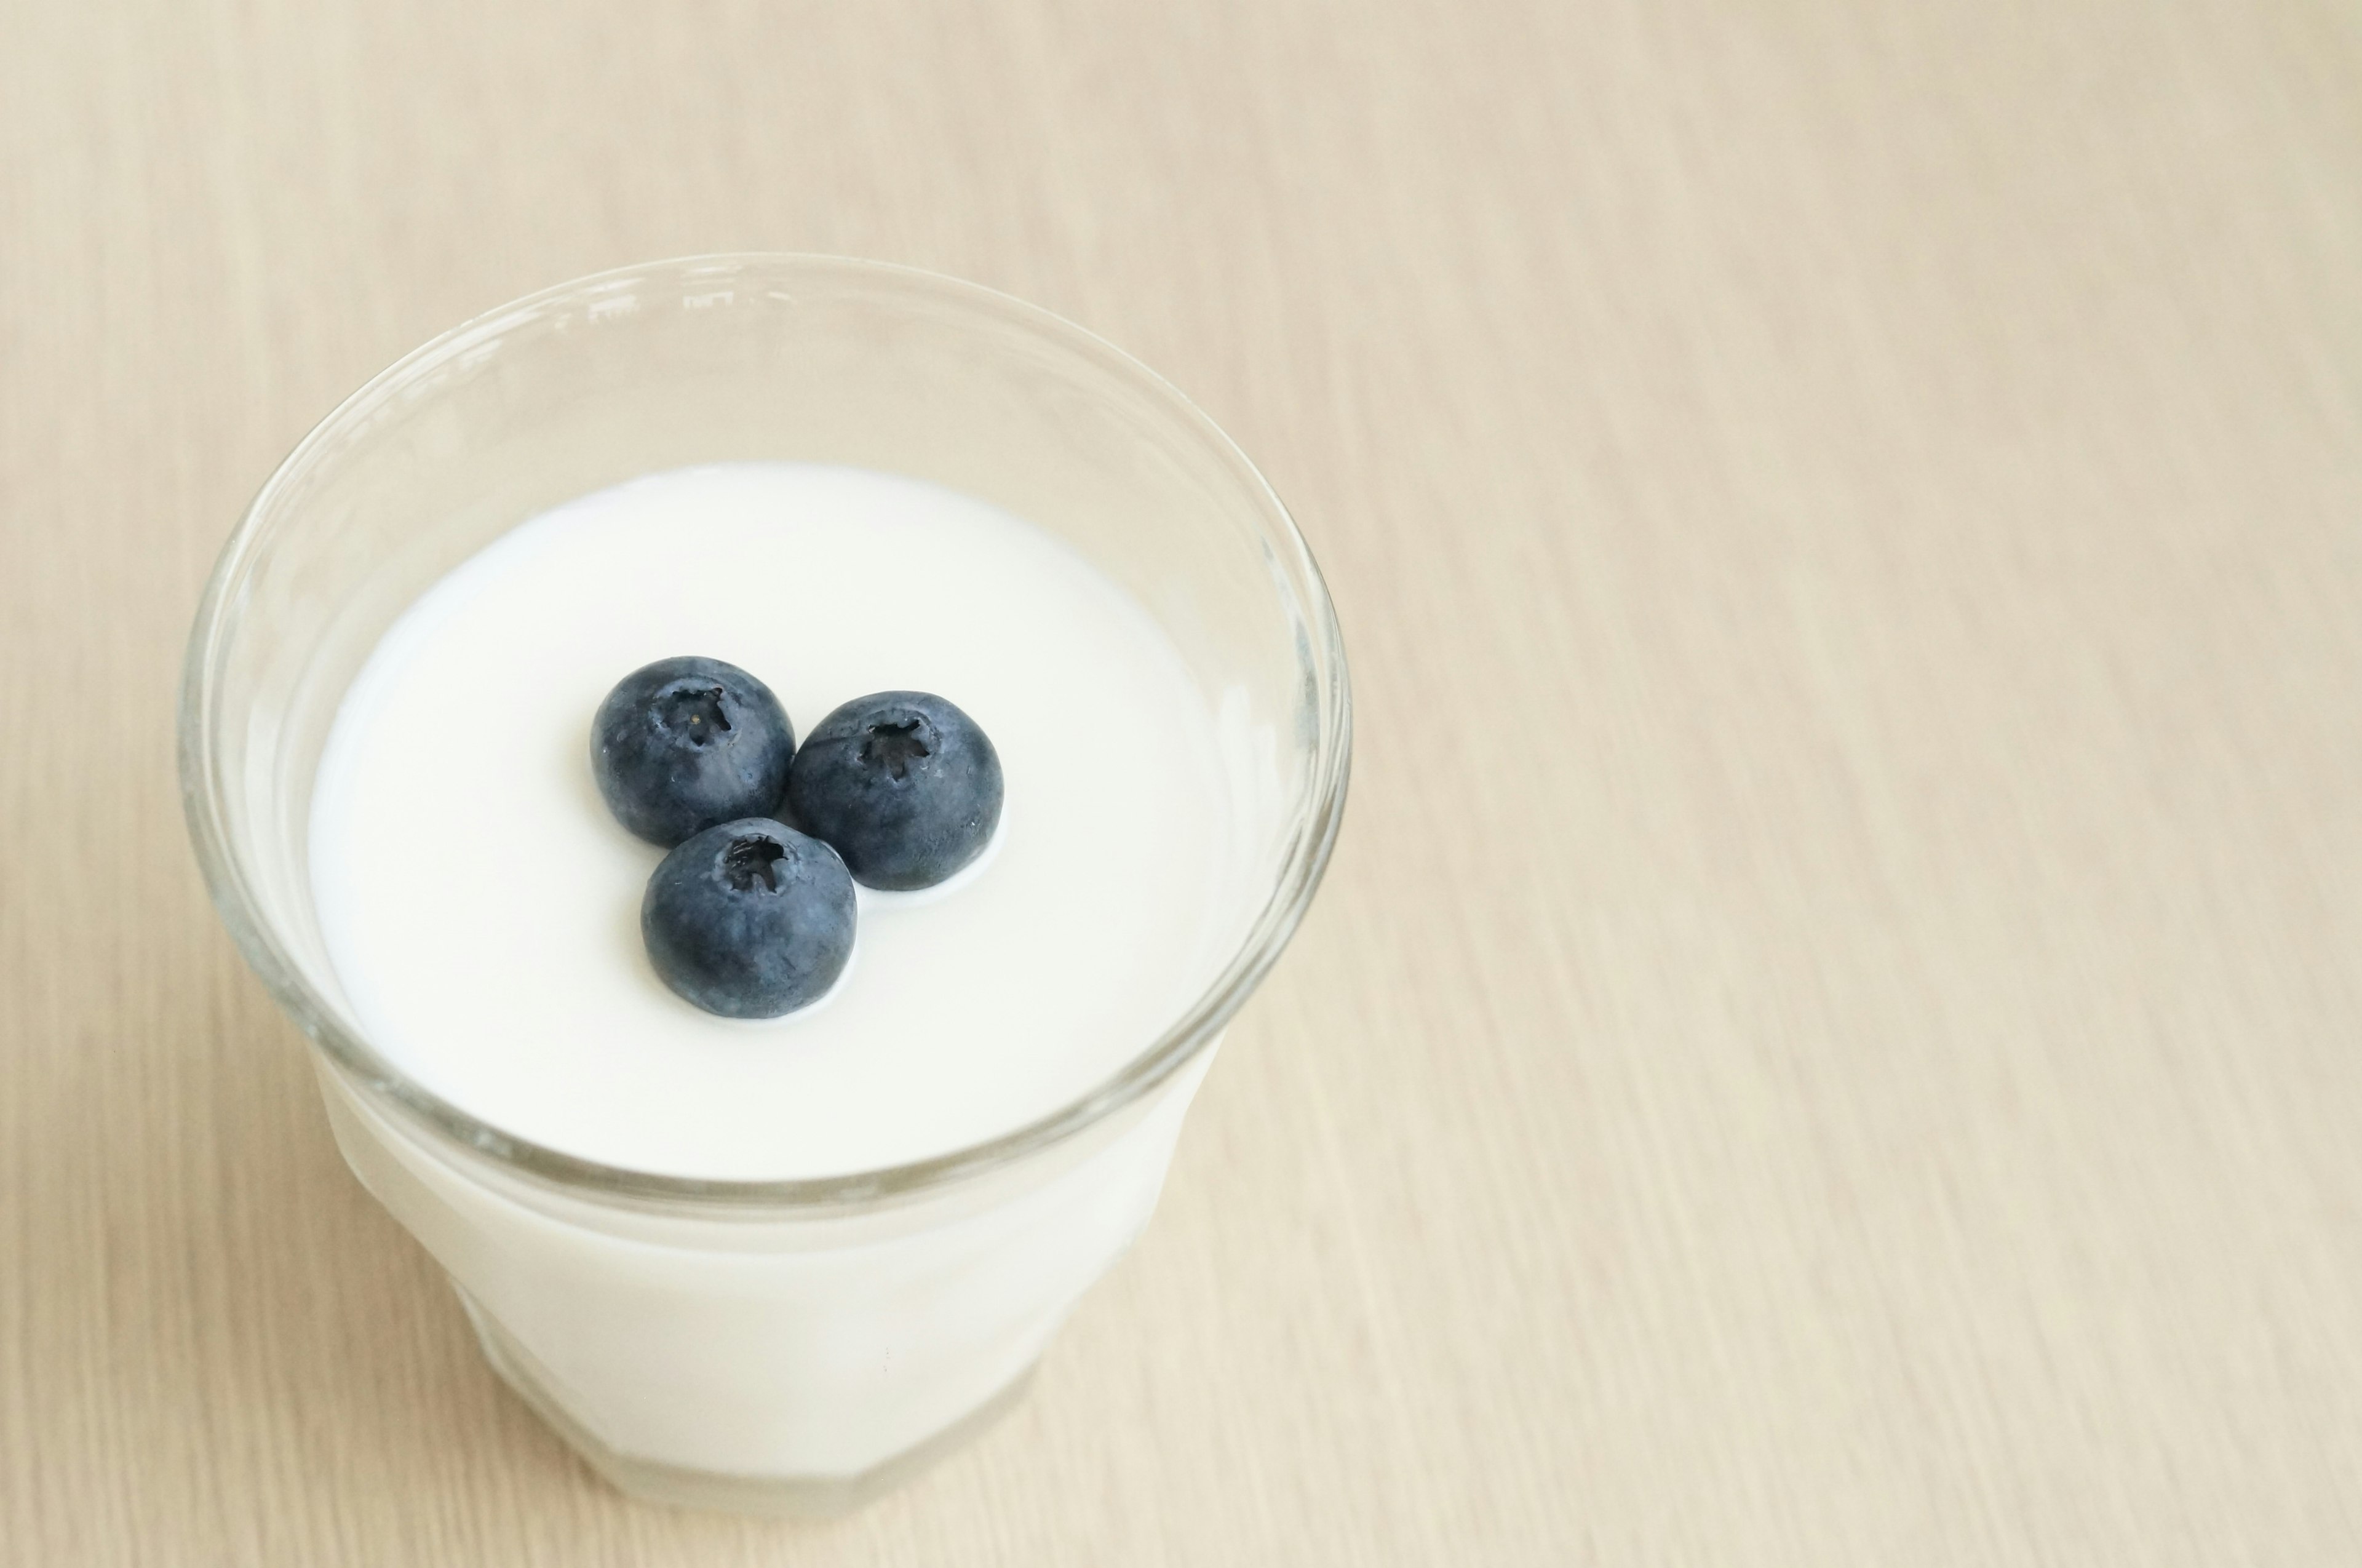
(894, 746)
(751, 860)
(694, 711)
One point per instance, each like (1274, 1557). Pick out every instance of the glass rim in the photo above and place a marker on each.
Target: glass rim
(1317, 814)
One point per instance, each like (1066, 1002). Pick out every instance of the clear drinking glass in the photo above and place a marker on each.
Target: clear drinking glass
(790, 1345)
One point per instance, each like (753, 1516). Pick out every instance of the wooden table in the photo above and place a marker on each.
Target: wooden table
(1834, 1035)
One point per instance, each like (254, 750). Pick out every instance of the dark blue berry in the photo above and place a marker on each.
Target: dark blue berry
(903, 784)
(749, 918)
(686, 743)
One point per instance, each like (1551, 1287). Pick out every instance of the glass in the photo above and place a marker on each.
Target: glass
(773, 1345)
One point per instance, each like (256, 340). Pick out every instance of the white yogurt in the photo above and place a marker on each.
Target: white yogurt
(481, 909)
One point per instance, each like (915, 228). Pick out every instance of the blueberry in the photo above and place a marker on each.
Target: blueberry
(903, 784)
(686, 743)
(749, 918)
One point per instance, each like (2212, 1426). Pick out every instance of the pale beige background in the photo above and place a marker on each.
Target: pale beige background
(1832, 1036)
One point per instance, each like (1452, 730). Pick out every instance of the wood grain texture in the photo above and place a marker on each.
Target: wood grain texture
(1832, 1034)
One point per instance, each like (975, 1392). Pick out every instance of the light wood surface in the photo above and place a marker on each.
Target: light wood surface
(1834, 1035)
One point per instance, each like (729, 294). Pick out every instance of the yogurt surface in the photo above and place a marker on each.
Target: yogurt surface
(481, 907)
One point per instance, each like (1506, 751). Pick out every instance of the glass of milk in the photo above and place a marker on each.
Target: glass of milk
(715, 1305)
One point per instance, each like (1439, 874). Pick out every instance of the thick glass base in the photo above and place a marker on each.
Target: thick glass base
(790, 1496)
